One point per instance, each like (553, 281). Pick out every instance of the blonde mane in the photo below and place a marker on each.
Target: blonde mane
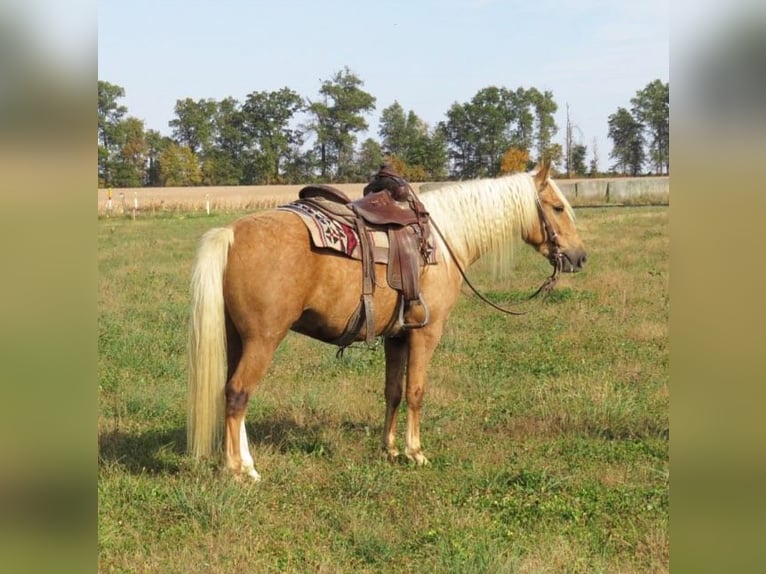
(485, 215)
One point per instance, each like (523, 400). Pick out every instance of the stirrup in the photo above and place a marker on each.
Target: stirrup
(422, 303)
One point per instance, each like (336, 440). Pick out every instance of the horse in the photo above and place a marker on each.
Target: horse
(260, 277)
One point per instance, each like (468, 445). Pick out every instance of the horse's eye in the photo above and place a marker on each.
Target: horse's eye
(558, 208)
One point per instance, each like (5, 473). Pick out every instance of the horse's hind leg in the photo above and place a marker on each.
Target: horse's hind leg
(253, 362)
(396, 359)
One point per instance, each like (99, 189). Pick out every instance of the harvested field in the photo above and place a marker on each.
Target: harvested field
(225, 199)
(222, 198)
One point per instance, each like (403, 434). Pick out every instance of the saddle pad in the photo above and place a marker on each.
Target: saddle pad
(329, 233)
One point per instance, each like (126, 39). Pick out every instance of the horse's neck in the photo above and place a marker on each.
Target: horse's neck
(480, 216)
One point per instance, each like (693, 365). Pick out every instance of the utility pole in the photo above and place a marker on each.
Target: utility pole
(594, 160)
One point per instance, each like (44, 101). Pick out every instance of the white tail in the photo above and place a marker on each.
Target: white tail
(207, 345)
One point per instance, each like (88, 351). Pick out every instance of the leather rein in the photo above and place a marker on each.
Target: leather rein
(556, 257)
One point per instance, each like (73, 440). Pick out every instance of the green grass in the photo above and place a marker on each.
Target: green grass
(547, 433)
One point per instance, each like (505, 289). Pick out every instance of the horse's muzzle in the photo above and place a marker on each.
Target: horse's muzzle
(573, 260)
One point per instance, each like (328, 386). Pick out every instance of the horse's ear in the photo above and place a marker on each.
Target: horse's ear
(542, 173)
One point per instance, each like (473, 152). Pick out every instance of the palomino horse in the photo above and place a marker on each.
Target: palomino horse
(260, 277)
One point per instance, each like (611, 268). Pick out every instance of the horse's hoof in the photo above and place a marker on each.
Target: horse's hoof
(251, 474)
(392, 454)
(245, 474)
(418, 458)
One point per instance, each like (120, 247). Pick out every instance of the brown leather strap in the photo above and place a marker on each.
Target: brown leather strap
(364, 314)
(368, 280)
(353, 327)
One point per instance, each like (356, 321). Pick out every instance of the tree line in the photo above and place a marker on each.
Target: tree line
(282, 137)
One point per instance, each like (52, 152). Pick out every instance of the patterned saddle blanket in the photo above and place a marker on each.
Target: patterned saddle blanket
(331, 227)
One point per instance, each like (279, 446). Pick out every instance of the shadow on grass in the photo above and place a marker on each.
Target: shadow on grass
(286, 435)
(138, 452)
(164, 451)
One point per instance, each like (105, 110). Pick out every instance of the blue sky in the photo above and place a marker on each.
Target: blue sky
(425, 54)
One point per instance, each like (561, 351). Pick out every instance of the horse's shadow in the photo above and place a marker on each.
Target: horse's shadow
(153, 451)
(164, 451)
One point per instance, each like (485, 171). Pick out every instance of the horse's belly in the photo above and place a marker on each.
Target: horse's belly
(313, 324)
(330, 308)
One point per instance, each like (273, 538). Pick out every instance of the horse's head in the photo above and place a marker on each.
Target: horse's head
(554, 234)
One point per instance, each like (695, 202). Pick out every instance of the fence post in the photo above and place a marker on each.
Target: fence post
(109, 203)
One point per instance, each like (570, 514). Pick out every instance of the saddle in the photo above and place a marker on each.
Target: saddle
(406, 223)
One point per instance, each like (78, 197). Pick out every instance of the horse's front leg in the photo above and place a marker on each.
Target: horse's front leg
(422, 343)
(396, 360)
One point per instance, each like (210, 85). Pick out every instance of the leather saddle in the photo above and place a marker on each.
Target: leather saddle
(410, 249)
(376, 208)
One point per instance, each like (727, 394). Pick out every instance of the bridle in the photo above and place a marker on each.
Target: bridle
(556, 255)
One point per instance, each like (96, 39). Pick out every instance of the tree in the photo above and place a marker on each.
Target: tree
(651, 108)
(224, 163)
(436, 159)
(627, 137)
(265, 122)
(491, 117)
(461, 141)
(556, 154)
(131, 161)
(193, 124)
(110, 113)
(155, 143)
(479, 132)
(122, 145)
(370, 158)
(393, 130)
(178, 166)
(408, 172)
(521, 131)
(337, 117)
(578, 153)
(545, 124)
(514, 160)
(409, 139)
(476, 133)
(301, 165)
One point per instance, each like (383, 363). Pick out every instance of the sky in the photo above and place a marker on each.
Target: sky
(593, 55)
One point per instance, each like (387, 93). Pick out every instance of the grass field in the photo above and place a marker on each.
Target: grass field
(547, 433)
